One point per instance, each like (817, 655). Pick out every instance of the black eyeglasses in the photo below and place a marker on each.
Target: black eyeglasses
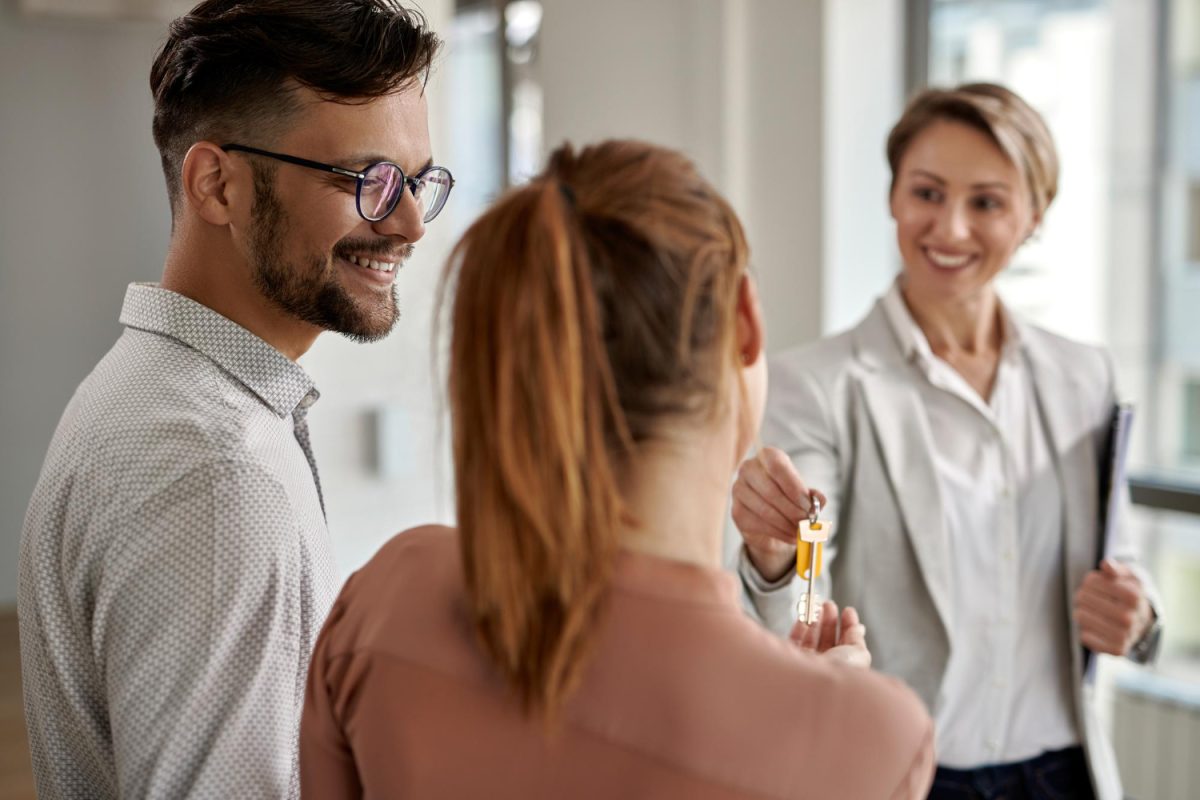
(380, 185)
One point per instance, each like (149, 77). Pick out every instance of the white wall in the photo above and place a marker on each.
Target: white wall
(864, 86)
(735, 85)
(83, 212)
(783, 104)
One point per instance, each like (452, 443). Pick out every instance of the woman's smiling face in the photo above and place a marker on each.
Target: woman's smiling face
(962, 208)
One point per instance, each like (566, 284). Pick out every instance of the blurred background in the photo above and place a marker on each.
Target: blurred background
(785, 105)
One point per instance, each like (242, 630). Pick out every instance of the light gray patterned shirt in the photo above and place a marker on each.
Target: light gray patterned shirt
(175, 567)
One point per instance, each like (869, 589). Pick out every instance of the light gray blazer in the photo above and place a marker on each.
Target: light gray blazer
(847, 411)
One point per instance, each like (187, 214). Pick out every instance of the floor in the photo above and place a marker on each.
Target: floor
(16, 777)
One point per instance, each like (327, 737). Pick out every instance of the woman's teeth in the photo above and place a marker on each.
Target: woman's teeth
(378, 266)
(947, 260)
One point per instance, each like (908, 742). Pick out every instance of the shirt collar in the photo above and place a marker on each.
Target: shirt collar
(279, 382)
(912, 339)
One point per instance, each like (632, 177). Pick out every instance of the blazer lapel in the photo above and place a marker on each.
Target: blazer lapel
(906, 446)
(1060, 402)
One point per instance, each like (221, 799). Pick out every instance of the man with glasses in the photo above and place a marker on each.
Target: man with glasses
(175, 562)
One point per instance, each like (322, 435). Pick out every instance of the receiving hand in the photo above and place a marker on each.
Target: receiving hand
(847, 644)
(769, 500)
(1111, 609)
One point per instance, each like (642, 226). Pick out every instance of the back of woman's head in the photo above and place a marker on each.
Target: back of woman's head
(591, 306)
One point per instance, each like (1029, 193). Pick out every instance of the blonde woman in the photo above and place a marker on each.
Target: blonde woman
(575, 637)
(959, 448)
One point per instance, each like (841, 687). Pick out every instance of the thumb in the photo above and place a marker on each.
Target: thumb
(1113, 569)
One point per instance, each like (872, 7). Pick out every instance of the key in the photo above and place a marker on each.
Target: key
(811, 535)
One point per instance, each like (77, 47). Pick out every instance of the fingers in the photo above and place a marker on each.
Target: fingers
(1110, 608)
(828, 625)
(756, 520)
(1123, 590)
(1101, 640)
(851, 646)
(823, 637)
(775, 480)
(1120, 611)
(754, 515)
(1099, 628)
(782, 472)
(805, 635)
(769, 495)
(853, 631)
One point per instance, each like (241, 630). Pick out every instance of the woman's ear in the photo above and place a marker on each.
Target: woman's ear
(1034, 224)
(750, 332)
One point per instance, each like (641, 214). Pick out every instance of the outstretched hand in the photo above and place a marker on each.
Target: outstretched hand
(845, 642)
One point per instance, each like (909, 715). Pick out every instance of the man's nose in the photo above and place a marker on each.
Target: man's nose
(406, 221)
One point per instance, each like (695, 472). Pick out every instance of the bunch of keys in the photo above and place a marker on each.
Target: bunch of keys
(811, 535)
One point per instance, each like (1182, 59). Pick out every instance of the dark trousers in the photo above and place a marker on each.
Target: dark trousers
(1060, 775)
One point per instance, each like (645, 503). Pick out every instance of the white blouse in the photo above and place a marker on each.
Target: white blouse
(1005, 694)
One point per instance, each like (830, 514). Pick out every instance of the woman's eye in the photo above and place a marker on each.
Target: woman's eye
(987, 203)
(927, 194)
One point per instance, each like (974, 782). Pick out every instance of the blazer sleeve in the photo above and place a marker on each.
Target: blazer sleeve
(800, 422)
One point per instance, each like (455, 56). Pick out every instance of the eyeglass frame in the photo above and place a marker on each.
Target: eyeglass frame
(411, 183)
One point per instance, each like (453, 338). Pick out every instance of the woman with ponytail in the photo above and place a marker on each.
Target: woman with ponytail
(575, 636)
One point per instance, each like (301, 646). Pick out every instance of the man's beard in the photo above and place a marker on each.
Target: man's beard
(309, 289)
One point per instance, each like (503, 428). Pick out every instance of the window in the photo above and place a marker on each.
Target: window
(1191, 421)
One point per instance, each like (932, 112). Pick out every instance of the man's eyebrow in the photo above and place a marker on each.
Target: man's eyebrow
(360, 161)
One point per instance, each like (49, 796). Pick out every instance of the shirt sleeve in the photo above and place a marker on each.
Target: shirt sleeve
(198, 633)
(798, 422)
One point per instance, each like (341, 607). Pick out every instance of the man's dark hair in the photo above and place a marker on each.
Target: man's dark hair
(229, 69)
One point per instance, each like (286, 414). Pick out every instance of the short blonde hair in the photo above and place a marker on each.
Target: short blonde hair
(1006, 119)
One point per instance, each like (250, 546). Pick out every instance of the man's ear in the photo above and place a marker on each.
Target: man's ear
(751, 336)
(212, 182)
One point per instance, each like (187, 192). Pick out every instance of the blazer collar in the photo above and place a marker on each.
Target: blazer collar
(1062, 402)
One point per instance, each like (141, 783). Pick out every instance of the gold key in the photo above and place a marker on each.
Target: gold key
(811, 535)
